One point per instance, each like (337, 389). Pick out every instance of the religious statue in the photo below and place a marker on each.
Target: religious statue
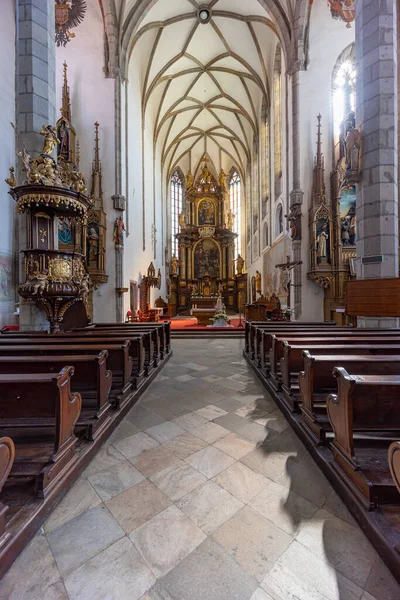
(239, 265)
(346, 231)
(353, 154)
(118, 235)
(84, 287)
(230, 220)
(294, 220)
(189, 180)
(222, 180)
(206, 175)
(50, 139)
(93, 242)
(26, 162)
(258, 282)
(220, 290)
(322, 242)
(40, 286)
(11, 181)
(285, 280)
(174, 264)
(194, 289)
(353, 225)
(182, 220)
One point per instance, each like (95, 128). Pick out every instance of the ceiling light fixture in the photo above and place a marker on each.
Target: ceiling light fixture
(204, 14)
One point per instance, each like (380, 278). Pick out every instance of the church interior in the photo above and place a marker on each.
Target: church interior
(199, 300)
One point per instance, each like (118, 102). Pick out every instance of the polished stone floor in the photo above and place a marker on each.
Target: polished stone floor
(203, 493)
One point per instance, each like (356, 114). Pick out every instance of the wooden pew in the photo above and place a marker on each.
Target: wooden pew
(91, 379)
(394, 463)
(370, 404)
(7, 454)
(118, 361)
(39, 412)
(343, 338)
(317, 381)
(163, 326)
(251, 326)
(292, 363)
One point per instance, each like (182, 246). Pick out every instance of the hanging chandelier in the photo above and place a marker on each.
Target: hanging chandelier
(344, 10)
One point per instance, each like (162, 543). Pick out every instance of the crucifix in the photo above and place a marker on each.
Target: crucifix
(154, 239)
(286, 277)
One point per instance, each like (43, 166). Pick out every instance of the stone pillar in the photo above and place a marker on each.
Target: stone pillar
(377, 119)
(119, 282)
(35, 103)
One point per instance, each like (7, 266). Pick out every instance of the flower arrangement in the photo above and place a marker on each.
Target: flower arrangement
(220, 316)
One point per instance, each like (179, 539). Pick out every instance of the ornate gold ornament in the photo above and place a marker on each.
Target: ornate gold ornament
(205, 232)
(54, 200)
(69, 14)
(60, 270)
(43, 235)
(11, 181)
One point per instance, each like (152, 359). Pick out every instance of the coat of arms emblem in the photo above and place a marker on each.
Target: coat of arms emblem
(69, 14)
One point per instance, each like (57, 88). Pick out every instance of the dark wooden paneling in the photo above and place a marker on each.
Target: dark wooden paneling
(373, 298)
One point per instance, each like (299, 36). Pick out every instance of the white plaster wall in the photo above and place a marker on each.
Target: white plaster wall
(7, 159)
(92, 99)
(328, 38)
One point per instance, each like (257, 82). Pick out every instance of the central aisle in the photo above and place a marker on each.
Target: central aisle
(203, 493)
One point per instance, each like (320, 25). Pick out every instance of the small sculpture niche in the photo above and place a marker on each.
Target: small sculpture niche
(322, 237)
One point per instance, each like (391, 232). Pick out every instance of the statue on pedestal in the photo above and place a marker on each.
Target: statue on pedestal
(189, 180)
(118, 235)
(239, 265)
(230, 219)
(182, 221)
(174, 265)
(258, 282)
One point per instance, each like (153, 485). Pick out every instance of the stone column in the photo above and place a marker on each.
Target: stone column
(377, 119)
(119, 282)
(35, 103)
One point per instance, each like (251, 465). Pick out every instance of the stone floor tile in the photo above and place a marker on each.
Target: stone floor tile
(137, 505)
(235, 445)
(155, 460)
(209, 573)
(211, 412)
(125, 429)
(190, 421)
(142, 417)
(195, 367)
(56, 591)
(244, 428)
(178, 481)
(106, 457)
(286, 510)
(165, 432)
(167, 539)
(209, 506)
(79, 540)
(184, 378)
(381, 583)
(261, 594)
(80, 498)
(304, 478)
(252, 411)
(185, 445)
(275, 421)
(210, 461)
(33, 573)
(210, 432)
(241, 482)
(271, 465)
(287, 443)
(229, 404)
(300, 575)
(135, 444)
(117, 573)
(335, 505)
(158, 592)
(344, 546)
(255, 543)
(113, 481)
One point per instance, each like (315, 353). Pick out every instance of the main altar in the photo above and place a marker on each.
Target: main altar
(205, 268)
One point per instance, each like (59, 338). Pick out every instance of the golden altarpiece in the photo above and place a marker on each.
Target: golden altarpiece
(333, 222)
(205, 267)
(53, 200)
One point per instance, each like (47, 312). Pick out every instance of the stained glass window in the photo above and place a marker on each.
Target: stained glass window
(176, 209)
(235, 189)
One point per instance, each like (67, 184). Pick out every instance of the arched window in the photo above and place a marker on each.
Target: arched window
(266, 236)
(278, 121)
(256, 198)
(279, 221)
(176, 209)
(265, 158)
(235, 190)
(344, 87)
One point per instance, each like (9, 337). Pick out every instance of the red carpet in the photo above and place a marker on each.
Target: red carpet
(191, 323)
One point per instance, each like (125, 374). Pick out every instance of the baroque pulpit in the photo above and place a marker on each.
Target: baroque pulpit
(206, 246)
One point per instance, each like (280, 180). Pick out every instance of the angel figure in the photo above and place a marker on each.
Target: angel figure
(50, 139)
(26, 162)
(230, 219)
(189, 180)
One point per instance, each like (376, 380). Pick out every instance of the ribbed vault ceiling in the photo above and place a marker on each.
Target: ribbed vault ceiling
(203, 84)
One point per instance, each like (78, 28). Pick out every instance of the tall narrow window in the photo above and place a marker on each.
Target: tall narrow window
(265, 158)
(235, 189)
(256, 196)
(278, 121)
(344, 89)
(176, 209)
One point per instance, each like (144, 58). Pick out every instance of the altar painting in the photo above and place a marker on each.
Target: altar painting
(206, 259)
(348, 215)
(206, 212)
(272, 277)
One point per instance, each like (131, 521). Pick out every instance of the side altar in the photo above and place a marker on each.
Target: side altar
(205, 267)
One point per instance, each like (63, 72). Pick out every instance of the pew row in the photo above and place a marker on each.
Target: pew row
(7, 454)
(366, 403)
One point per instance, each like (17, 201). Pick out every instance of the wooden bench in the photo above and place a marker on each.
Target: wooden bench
(317, 381)
(39, 412)
(163, 327)
(7, 454)
(366, 403)
(292, 363)
(91, 379)
(276, 351)
(118, 361)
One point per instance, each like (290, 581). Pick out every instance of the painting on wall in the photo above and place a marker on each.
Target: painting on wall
(6, 277)
(206, 213)
(348, 215)
(273, 280)
(206, 259)
(65, 231)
